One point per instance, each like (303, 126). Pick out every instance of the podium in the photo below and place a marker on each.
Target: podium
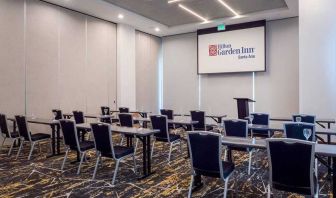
(243, 107)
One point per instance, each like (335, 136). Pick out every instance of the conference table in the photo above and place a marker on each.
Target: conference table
(143, 114)
(95, 116)
(217, 118)
(55, 132)
(319, 121)
(320, 149)
(144, 134)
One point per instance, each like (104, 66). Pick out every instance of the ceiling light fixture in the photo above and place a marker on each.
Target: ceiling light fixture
(173, 1)
(120, 16)
(193, 13)
(228, 7)
(157, 29)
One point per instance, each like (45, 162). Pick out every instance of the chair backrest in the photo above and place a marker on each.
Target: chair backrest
(295, 130)
(70, 134)
(291, 164)
(105, 110)
(200, 117)
(22, 126)
(57, 114)
(304, 118)
(123, 110)
(167, 112)
(4, 126)
(126, 119)
(160, 122)
(79, 117)
(205, 153)
(103, 138)
(236, 128)
(260, 118)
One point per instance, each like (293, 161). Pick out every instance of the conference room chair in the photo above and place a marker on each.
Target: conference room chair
(260, 119)
(126, 120)
(200, 117)
(72, 142)
(105, 148)
(160, 122)
(296, 130)
(105, 111)
(238, 128)
(123, 110)
(304, 118)
(27, 136)
(205, 156)
(291, 164)
(170, 115)
(57, 114)
(79, 117)
(7, 134)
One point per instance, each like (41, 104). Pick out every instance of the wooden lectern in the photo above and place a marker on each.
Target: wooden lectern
(243, 107)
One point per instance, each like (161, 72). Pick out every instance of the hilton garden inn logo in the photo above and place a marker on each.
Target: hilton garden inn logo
(227, 50)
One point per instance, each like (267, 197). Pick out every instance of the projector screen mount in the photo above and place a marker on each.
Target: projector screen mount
(238, 48)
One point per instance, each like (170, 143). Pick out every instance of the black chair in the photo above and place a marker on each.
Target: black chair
(200, 117)
(123, 110)
(71, 142)
(106, 111)
(6, 134)
(304, 118)
(170, 116)
(160, 122)
(261, 119)
(126, 120)
(57, 114)
(205, 155)
(295, 130)
(79, 117)
(104, 148)
(238, 128)
(26, 136)
(291, 164)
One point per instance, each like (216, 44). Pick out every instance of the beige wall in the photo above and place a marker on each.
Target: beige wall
(59, 58)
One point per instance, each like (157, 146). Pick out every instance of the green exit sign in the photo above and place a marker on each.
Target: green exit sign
(221, 27)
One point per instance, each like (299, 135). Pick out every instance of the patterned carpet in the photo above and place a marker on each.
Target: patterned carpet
(41, 177)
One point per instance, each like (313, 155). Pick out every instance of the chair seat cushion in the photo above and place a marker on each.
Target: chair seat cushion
(120, 151)
(228, 168)
(39, 136)
(172, 137)
(86, 145)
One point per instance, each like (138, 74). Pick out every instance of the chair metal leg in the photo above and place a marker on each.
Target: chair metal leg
(136, 145)
(135, 166)
(65, 158)
(11, 148)
(152, 149)
(19, 151)
(122, 140)
(31, 150)
(96, 167)
(115, 172)
(226, 187)
(4, 139)
(81, 161)
(190, 186)
(268, 191)
(170, 150)
(250, 162)
(316, 168)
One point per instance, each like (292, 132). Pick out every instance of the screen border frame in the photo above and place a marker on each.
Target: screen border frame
(239, 26)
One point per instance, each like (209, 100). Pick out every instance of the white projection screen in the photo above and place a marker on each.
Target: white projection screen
(239, 48)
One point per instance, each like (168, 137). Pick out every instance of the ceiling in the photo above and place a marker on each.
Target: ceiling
(170, 14)
(148, 15)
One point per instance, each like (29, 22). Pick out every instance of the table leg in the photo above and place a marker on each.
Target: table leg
(146, 157)
(53, 141)
(334, 176)
(329, 158)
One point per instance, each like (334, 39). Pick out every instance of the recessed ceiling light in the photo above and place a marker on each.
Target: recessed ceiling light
(173, 1)
(193, 13)
(157, 29)
(228, 7)
(120, 16)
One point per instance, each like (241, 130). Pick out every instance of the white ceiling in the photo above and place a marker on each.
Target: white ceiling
(266, 9)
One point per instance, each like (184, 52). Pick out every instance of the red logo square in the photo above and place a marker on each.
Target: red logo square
(212, 50)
